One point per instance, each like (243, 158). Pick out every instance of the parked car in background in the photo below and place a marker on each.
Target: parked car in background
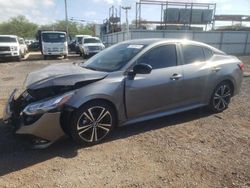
(90, 46)
(23, 45)
(53, 43)
(72, 45)
(34, 46)
(126, 83)
(29, 42)
(12, 47)
(78, 42)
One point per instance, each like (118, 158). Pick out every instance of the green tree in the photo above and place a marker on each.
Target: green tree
(19, 26)
(22, 27)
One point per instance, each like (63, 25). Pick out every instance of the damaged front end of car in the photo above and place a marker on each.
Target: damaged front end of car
(38, 110)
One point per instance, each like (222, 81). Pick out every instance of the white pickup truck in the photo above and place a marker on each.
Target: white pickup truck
(12, 47)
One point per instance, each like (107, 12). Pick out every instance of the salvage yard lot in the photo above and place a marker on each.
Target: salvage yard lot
(190, 149)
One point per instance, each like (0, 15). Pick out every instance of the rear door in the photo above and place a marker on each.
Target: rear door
(196, 73)
(157, 91)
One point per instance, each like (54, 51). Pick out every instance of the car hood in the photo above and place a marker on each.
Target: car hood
(63, 74)
(8, 44)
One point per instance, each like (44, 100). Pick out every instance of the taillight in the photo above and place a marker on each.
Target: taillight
(241, 66)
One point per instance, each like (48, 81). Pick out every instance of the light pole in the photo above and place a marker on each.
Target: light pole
(127, 24)
(66, 17)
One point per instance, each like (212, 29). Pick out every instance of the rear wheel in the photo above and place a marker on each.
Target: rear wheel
(92, 122)
(45, 57)
(65, 56)
(221, 97)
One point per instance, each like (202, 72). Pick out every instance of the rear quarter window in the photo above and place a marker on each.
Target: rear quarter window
(192, 53)
(208, 53)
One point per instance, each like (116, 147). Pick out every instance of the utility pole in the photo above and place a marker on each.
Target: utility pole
(127, 24)
(66, 17)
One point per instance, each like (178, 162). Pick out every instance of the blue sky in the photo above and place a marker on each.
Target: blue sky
(48, 11)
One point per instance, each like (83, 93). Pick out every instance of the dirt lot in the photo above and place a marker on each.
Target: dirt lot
(191, 149)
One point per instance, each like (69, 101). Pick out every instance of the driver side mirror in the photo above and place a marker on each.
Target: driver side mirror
(141, 68)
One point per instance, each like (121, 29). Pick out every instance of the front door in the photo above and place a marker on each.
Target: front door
(157, 91)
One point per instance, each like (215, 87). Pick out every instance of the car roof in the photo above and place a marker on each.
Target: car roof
(152, 41)
(156, 40)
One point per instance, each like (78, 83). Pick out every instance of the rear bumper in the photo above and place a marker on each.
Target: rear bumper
(47, 126)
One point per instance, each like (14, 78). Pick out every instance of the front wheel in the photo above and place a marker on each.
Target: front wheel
(92, 122)
(65, 56)
(19, 58)
(221, 97)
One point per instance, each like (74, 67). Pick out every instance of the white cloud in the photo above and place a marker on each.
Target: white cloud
(29, 8)
(90, 13)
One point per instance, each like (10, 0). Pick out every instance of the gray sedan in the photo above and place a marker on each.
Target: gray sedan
(126, 83)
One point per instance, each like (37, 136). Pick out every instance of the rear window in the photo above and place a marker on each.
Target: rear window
(192, 53)
(79, 39)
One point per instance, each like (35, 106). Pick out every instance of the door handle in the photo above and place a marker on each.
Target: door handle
(176, 76)
(216, 69)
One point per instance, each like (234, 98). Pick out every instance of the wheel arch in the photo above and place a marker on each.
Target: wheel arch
(68, 111)
(229, 80)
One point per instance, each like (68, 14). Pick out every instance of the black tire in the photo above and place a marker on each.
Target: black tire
(45, 57)
(80, 53)
(85, 127)
(65, 56)
(23, 55)
(19, 58)
(221, 97)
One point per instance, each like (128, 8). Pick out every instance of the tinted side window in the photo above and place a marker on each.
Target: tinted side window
(160, 57)
(208, 53)
(192, 53)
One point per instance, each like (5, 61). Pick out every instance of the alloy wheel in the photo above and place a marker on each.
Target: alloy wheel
(94, 124)
(222, 97)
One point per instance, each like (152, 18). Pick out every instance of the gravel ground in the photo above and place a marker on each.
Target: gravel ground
(191, 149)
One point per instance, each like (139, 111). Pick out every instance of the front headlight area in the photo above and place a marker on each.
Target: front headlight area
(53, 104)
(13, 48)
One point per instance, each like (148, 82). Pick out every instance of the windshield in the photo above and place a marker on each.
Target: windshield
(53, 37)
(113, 58)
(92, 40)
(8, 39)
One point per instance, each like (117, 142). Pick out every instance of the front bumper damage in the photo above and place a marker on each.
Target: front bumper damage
(45, 127)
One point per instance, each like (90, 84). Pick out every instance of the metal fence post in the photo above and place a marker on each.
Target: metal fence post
(246, 42)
